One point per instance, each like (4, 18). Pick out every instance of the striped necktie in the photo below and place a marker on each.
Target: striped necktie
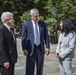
(37, 37)
(12, 34)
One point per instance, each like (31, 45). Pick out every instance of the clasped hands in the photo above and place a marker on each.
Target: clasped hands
(6, 64)
(57, 55)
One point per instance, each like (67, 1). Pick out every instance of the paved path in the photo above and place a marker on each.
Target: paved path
(51, 66)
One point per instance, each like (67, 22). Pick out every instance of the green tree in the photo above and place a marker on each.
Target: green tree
(51, 11)
(67, 8)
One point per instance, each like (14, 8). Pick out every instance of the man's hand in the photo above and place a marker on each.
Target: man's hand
(6, 65)
(47, 51)
(25, 52)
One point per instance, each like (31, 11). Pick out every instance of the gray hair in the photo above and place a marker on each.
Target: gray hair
(33, 11)
(5, 16)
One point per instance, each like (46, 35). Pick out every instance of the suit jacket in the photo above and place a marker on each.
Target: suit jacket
(66, 45)
(28, 36)
(8, 51)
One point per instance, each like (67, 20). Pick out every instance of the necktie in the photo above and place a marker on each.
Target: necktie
(12, 34)
(37, 36)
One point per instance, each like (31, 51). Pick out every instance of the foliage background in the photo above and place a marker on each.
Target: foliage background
(51, 11)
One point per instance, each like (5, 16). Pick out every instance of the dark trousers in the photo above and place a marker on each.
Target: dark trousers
(38, 59)
(9, 71)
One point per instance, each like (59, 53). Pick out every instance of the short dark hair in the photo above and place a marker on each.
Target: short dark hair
(68, 25)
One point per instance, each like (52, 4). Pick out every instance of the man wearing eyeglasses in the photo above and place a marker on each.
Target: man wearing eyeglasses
(8, 51)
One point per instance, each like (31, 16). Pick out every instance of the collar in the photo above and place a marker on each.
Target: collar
(34, 22)
(8, 27)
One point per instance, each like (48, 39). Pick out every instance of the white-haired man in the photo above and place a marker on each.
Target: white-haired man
(8, 51)
(34, 36)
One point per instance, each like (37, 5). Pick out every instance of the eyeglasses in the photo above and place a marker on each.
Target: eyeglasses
(10, 18)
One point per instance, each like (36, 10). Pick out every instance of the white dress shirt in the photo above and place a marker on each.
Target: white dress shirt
(8, 27)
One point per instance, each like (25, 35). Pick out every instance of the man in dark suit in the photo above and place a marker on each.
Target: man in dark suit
(34, 36)
(8, 51)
